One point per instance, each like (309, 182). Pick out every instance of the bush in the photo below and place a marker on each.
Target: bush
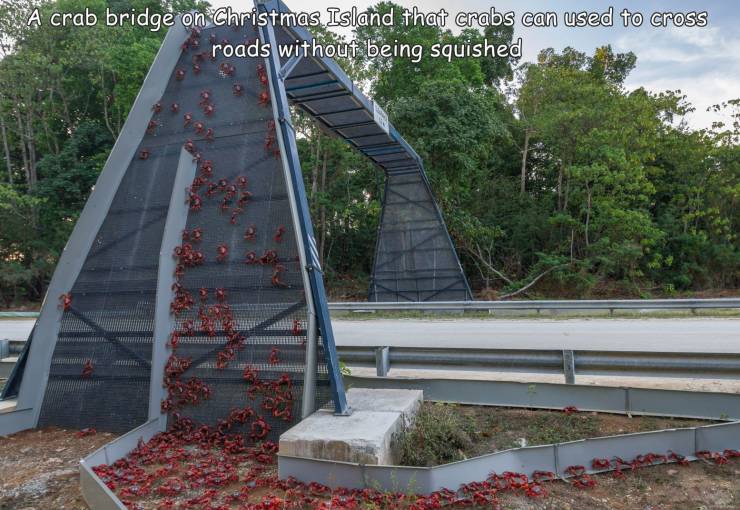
(438, 435)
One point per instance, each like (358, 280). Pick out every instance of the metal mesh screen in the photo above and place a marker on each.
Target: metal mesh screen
(111, 320)
(415, 259)
(266, 299)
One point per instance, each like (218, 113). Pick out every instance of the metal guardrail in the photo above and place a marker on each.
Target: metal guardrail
(565, 362)
(492, 306)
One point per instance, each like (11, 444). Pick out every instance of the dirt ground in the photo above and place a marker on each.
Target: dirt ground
(38, 470)
(699, 486)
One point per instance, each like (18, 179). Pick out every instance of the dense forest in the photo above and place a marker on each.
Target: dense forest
(554, 178)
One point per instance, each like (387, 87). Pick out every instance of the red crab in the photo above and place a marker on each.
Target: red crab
(157, 108)
(244, 198)
(144, 154)
(206, 168)
(174, 107)
(89, 431)
(278, 238)
(65, 301)
(199, 127)
(274, 357)
(222, 253)
(269, 258)
(251, 258)
(276, 281)
(238, 89)
(87, 369)
(251, 233)
(180, 74)
(260, 429)
(196, 235)
(264, 98)
(220, 295)
(188, 119)
(195, 202)
(227, 69)
(174, 339)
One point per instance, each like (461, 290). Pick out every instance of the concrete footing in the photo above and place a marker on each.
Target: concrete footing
(364, 437)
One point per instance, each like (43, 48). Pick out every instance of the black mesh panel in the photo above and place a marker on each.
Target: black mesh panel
(414, 260)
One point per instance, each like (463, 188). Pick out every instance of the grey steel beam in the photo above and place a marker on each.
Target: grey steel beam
(164, 322)
(310, 266)
(635, 401)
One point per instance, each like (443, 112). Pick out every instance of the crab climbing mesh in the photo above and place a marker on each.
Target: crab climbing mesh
(239, 307)
(254, 366)
(415, 259)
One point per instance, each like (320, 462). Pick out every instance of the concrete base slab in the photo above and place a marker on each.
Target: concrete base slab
(364, 437)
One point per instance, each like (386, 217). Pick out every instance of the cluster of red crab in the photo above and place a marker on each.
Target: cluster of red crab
(277, 395)
(264, 96)
(187, 459)
(208, 468)
(271, 143)
(225, 69)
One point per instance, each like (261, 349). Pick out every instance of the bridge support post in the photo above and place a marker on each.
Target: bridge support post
(569, 367)
(382, 361)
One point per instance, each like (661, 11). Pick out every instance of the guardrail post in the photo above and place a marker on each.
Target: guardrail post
(569, 367)
(382, 361)
(4, 348)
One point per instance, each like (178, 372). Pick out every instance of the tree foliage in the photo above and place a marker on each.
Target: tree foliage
(553, 177)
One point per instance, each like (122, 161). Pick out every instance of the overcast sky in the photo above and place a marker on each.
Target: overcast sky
(703, 62)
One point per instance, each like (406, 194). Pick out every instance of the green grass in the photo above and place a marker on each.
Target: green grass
(444, 432)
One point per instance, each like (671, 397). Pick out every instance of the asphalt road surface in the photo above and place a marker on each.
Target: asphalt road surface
(657, 335)
(661, 335)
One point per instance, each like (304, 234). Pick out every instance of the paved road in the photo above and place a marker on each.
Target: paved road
(15, 329)
(680, 335)
(666, 335)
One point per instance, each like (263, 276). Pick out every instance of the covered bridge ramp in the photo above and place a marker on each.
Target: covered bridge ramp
(415, 259)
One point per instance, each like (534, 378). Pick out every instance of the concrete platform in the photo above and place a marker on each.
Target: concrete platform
(364, 437)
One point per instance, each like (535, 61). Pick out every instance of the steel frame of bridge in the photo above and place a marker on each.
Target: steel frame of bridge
(362, 125)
